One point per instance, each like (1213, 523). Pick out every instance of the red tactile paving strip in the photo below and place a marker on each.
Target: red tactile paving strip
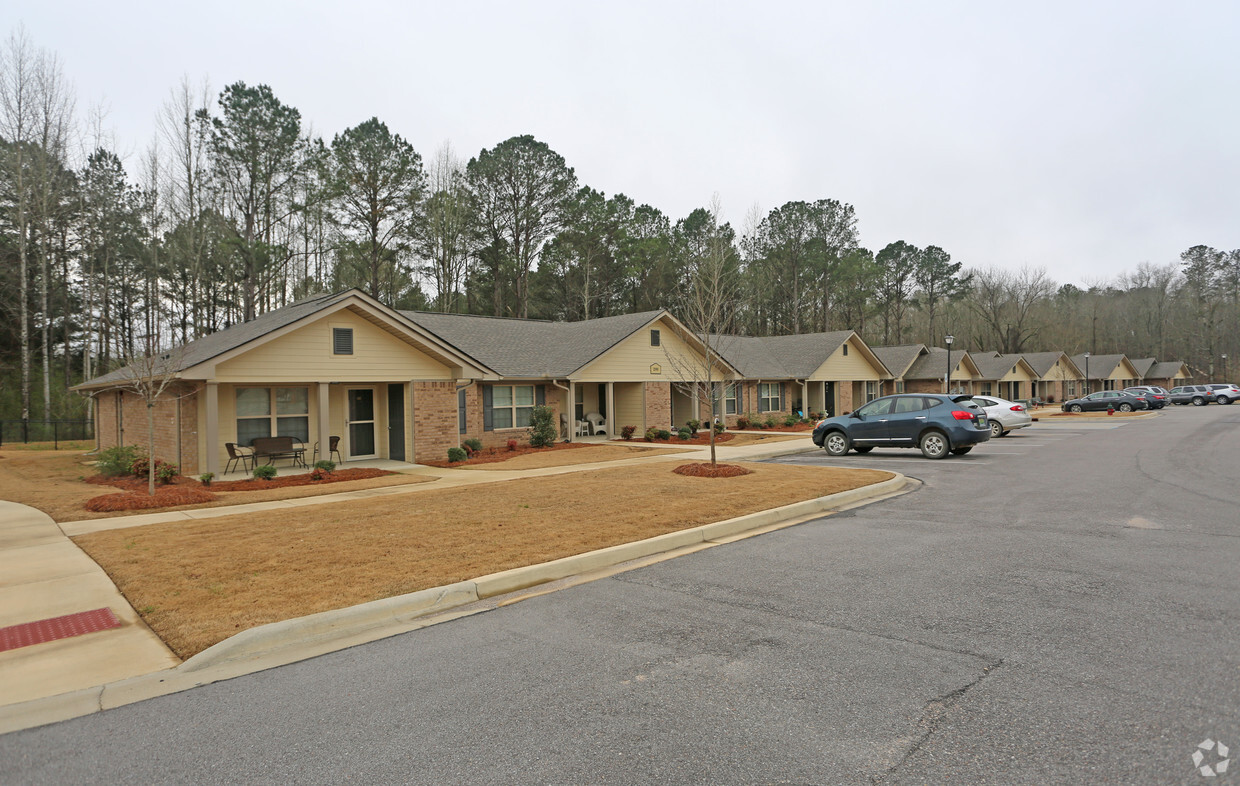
(39, 631)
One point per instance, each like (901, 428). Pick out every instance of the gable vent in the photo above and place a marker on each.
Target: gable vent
(342, 341)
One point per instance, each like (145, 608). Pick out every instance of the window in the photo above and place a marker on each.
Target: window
(900, 386)
(729, 399)
(342, 341)
(880, 407)
(1071, 388)
(511, 406)
(986, 389)
(909, 404)
(769, 398)
(871, 389)
(654, 338)
(267, 412)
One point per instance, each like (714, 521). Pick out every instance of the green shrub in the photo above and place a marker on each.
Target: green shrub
(742, 422)
(542, 427)
(118, 459)
(664, 434)
(718, 428)
(206, 478)
(652, 434)
(473, 444)
(684, 433)
(326, 466)
(694, 425)
(265, 472)
(456, 454)
(791, 420)
(626, 432)
(769, 422)
(165, 473)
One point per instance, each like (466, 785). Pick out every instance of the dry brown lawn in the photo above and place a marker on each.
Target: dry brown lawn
(562, 458)
(52, 481)
(199, 582)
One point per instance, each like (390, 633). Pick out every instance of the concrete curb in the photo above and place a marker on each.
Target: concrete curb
(289, 641)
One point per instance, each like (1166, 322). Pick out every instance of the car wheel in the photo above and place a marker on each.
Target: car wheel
(961, 451)
(835, 443)
(996, 428)
(1075, 408)
(1224, 400)
(934, 445)
(863, 448)
(1125, 408)
(1198, 401)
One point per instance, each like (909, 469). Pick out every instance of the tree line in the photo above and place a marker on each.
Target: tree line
(235, 209)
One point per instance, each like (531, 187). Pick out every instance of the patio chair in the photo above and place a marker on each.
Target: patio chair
(238, 454)
(333, 448)
(598, 424)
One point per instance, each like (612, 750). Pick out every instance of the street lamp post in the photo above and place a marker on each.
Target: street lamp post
(1086, 374)
(947, 378)
(1224, 379)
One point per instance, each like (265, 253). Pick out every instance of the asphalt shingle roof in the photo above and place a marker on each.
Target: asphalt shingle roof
(1165, 370)
(1042, 362)
(898, 359)
(933, 364)
(992, 365)
(1143, 365)
(1100, 366)
(531, 348)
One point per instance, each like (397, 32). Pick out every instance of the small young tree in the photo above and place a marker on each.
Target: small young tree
(152, 378)
(708, 310)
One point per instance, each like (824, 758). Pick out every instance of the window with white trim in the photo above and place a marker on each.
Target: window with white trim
(871, 390)
(512, 406)
(768, 397)
(272, 412)
(727, 399)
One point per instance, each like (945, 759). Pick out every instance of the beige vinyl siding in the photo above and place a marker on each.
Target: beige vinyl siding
(630, 401)
(853, 366)
(1059, 371)
(228, 413)
(1124, 371)
(1017, 374)
(377, 355)
(631, 359)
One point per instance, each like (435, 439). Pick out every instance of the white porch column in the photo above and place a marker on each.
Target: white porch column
(570, 417)
(611, 410)
(324, 422)
(213, 427)
(804, 399)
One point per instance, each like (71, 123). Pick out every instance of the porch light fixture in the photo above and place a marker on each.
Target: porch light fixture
(947, 383)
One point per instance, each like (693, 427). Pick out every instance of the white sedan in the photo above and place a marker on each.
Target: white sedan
(1004, 415)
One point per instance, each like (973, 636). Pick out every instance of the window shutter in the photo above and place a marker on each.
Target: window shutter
(781, 397)
(540, 395)
(488, 418)
(342, 341)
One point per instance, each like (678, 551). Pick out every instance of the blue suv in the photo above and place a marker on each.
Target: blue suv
(936, 424)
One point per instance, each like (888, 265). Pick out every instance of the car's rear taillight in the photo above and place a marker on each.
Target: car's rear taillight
(1017, 408)
(962, 415)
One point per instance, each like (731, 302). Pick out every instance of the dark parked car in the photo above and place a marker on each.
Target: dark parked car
(1197, 395)
(1152, 399)
(1104, 400)
(936, 424)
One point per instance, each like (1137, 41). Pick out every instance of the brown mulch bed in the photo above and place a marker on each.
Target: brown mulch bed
(184, 491)
(702, 438)
(492, 455)
(199, 582)
(785, 429)
(705, 469)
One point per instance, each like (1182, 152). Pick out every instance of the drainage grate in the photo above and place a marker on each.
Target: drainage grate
(55, 628)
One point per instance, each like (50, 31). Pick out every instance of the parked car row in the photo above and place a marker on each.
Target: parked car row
(1200, 395)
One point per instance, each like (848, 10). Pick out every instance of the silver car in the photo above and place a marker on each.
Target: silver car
(1004, 415)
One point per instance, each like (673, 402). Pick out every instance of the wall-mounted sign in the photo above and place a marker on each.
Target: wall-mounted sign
(655, 368)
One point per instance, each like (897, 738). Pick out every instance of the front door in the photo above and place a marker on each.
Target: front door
(396, 422)
(828, 399)
(361, 423)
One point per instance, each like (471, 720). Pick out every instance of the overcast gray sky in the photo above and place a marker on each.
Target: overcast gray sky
(1084, 137)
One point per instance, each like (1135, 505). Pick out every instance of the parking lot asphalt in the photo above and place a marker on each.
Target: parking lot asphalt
(1059, 606)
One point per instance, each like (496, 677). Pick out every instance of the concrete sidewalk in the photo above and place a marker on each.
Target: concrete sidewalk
(43, 574)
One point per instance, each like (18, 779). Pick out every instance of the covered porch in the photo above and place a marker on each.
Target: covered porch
(286, 469)
(589, 408)
(343, 422)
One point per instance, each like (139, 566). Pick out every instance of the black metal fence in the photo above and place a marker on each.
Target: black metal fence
(51, 431)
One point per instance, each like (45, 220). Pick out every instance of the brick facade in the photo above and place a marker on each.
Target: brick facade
(434, 420)
(658, 404)
(498, 438)
(120, 419)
